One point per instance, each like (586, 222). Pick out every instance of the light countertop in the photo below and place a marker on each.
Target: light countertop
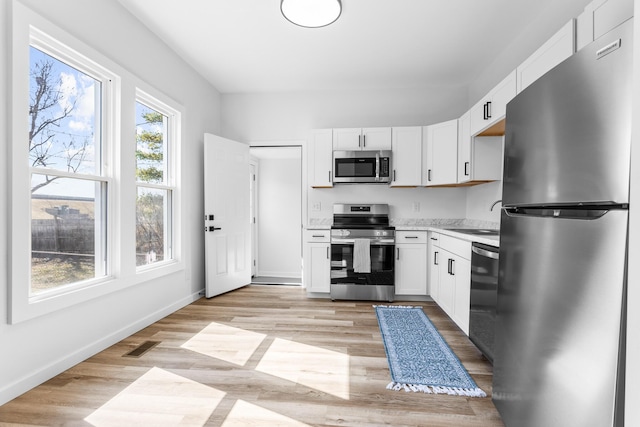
(437, 225)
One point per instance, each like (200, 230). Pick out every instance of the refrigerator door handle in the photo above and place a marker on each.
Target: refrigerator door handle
(567, 212)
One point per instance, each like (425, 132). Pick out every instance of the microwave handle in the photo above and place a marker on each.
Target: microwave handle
(377, 166)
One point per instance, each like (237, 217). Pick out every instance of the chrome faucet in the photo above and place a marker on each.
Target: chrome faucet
(494, 204)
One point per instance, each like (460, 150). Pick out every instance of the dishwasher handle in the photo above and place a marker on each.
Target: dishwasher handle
(485, 253)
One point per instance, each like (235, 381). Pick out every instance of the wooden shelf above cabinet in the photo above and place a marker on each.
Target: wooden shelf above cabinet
(463, 184)
(495, 130)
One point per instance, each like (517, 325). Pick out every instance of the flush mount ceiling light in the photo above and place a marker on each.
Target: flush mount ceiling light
(311, 13)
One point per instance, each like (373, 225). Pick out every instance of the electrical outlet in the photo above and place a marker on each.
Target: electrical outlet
(316, 206)
(416, 206)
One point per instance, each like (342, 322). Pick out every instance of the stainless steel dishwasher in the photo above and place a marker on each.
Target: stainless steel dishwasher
(484, 297)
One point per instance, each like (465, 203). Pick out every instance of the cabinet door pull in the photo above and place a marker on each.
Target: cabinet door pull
(410, 237)
(484, 111)
(394, 175)
(449, 266)
(435, 258)
(317, 235)
(329, 176)
(489, 110)
(466, 168)
(364, 141)
(453, 264)
(429, 175)
(397, 253)
(328, 254)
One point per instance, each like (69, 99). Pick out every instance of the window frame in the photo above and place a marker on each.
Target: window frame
(171, 175)
(103, 174)
(118, 144)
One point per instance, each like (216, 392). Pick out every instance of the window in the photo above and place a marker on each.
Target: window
(69, 184)
(156, 126)
(86, 219)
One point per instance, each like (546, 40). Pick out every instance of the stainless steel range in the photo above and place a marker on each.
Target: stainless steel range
(362, 253)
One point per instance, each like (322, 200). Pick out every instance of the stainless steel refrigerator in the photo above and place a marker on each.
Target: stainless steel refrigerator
(559, 357)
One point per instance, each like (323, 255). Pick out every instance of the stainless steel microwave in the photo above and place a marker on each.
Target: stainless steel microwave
(362, 166)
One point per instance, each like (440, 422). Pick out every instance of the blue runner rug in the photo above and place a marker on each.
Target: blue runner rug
(419, 358)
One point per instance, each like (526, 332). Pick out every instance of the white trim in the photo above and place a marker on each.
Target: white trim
(24, 384)
(172, 179)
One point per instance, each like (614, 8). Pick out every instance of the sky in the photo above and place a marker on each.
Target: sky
(79, 132)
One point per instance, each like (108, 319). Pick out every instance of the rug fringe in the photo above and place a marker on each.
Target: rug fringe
(474, 392)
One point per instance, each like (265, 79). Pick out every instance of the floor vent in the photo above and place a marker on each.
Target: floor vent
(142, 349)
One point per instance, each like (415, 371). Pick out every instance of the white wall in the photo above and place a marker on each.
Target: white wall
(290, 116)
(535, 35)
(433, 202)
(286, 116)
(280, 216)
(37, 349)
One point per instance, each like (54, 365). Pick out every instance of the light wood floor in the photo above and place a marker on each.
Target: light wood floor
(258, 356)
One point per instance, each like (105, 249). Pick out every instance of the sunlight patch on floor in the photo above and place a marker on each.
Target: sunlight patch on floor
(226, 343)
(159, 398)
(246, 414)
(311, 366)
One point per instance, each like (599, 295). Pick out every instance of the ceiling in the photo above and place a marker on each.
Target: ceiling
(244, 46)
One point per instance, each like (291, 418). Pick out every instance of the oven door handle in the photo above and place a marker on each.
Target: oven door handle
(373, 242)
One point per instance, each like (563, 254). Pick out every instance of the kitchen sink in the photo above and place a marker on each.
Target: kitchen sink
(476, 231)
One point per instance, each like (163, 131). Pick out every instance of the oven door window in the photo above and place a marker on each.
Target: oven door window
(382, 263)
(355, 168)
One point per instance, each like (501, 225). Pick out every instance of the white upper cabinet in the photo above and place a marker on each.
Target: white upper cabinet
(440, 153)
(350, 139)
(320, 158)
(554, 51)
(464, 148)
(609, 14)
(479, 157)
(406, 145)
(493, 107)
(599, 17)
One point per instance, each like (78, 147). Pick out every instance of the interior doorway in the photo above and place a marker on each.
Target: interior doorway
(276, 200)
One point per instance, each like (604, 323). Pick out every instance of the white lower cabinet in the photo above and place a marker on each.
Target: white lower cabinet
(410, 265)
(451, 267)
(433, 270)
(316, 258)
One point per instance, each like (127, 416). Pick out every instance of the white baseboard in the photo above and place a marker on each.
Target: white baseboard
(285, 274)
(11, 391)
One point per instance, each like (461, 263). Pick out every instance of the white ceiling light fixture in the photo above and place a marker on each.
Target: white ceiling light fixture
(311, 13)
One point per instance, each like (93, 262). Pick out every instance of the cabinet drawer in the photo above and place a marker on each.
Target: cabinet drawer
(317, 235)
(459, 247)
(411, 237)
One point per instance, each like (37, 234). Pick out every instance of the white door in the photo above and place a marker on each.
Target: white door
(227, 213)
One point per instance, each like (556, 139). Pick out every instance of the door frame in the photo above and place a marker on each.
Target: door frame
(254, 168)
(297, 143)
